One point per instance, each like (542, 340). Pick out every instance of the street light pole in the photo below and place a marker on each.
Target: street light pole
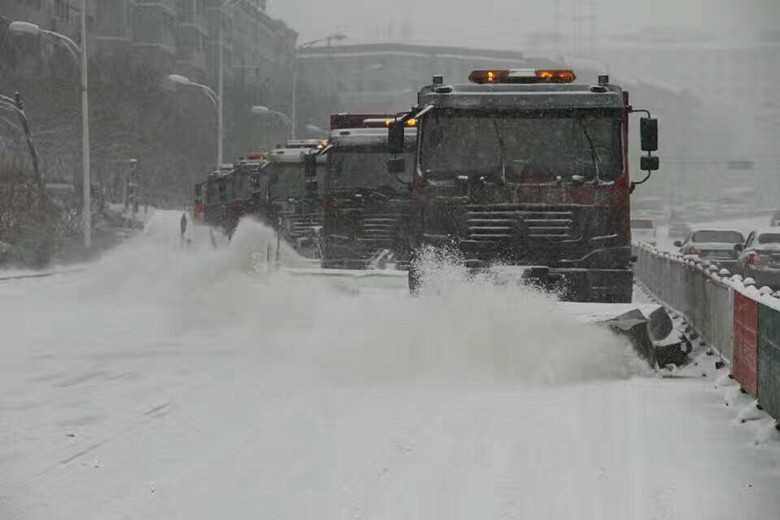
(293, 107)
(221, 82)
(85, 151)
(33, 30)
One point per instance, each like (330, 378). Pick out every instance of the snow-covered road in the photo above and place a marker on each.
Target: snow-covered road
(183, 382)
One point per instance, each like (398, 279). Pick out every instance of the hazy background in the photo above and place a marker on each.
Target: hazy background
(708, 69)
(506, 23)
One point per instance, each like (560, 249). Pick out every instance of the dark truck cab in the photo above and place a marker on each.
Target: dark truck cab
(229, 193)
(525, 169)
(275, 188)
(366, 209)
(289, 196)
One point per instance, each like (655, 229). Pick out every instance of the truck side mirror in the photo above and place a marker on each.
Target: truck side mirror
(310, 165)
(395, 137)
(648, 131)
(396, 166)
(678, 243)
(649, 163)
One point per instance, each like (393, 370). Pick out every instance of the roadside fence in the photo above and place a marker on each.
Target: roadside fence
(738, 320)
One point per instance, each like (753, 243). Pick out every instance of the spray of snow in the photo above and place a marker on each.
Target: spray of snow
(461, 331)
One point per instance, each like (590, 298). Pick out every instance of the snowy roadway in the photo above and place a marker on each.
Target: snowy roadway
(168, 382)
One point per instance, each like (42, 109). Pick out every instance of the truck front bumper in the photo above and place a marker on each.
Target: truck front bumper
(571, 284)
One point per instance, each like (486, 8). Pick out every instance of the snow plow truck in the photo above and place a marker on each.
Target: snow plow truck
(526, 171)
(366, 211)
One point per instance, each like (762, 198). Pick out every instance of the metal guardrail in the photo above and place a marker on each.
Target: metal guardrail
(741, 322)
(769, 360)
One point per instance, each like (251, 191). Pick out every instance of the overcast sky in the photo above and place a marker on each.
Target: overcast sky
(505, 23)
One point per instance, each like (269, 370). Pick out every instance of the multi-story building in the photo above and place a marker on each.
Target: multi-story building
(133, 46)
(258, 55)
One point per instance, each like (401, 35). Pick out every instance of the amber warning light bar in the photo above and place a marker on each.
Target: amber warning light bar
(483, 77)
(378, 123)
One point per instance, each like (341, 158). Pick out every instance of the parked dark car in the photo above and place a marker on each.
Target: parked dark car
(714, 245)
(759, 257)
(775, 222)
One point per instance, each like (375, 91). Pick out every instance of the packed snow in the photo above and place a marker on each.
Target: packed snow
(172, 379)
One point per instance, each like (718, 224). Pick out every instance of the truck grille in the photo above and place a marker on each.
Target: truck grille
(302, 225)
(379, 229)
(485, 224)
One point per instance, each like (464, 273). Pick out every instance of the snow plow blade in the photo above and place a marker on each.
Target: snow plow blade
(648, 327)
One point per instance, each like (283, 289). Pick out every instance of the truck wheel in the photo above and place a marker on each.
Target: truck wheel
(414, 280)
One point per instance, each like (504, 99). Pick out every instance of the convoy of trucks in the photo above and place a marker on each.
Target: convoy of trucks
(271, 187)
(523, 169)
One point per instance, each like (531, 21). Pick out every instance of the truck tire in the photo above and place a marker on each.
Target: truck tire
(414, 280)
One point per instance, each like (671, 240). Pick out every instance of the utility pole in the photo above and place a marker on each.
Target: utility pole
(87, 188)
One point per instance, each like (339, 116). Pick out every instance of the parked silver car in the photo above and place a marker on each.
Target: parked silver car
(775, 219)
(759, 257)
(714, 245)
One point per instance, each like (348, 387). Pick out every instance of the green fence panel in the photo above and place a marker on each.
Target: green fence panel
(769, 360)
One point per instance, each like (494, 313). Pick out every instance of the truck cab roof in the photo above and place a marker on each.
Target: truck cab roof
(367, 139)
(539, 96)
(289, 155)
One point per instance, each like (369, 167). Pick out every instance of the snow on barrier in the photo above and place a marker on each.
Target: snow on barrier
(737, 320)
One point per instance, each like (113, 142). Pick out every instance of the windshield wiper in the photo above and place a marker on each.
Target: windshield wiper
(594, 155)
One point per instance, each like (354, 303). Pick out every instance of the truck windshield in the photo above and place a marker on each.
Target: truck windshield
(216, 191)
(287, 181)
(362, 170)
(522, 149)
(242, 186)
